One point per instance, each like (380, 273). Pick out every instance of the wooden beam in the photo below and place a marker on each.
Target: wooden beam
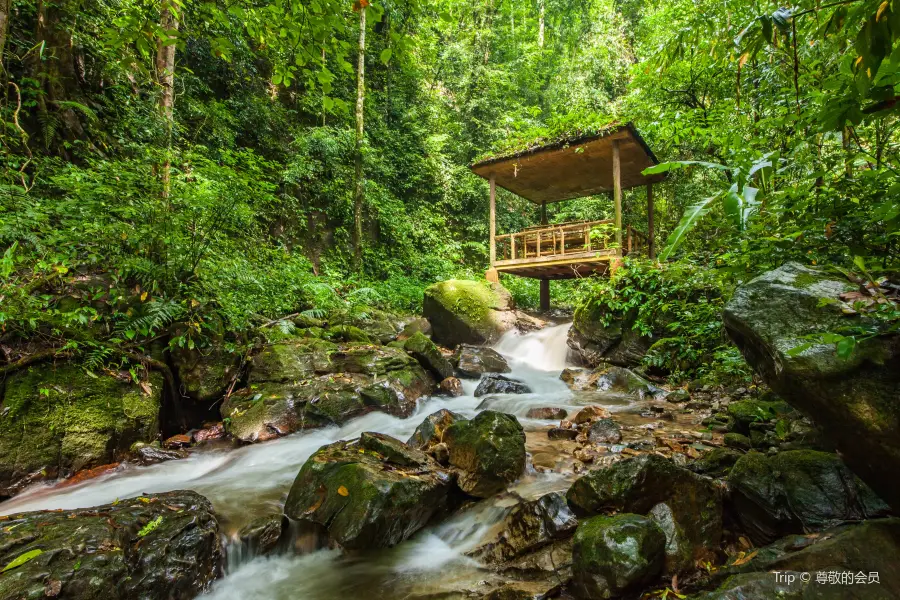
(617, 189)
(651, 232)
(543, 213)
(493, 224)
(545, 295)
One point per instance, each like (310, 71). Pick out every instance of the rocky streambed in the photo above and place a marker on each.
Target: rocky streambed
(526, 478)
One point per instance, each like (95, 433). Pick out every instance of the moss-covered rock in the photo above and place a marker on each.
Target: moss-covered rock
(745, 413)
(619, 380)
(599, 336)
(363, 499)
(375, 325)
(715, 463)
(854, 398)
(205, 375)
(468, 312)
(57, 419)
(306, 383)
(423, 350)
(489, 450)
(614, 555)
(737, 440)
(639, 484)
(262, 535)
(431, 430)
(494, 383)
(158, 547)
(528, 526)
(475, 361)
(795, 491)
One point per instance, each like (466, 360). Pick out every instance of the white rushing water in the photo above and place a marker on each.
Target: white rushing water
(254, 480)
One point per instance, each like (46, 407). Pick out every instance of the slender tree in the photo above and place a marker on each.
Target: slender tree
(358, 192)
(165, 73)
(541, 23)
(5, 8)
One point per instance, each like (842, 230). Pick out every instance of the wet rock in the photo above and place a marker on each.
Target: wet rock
(498, 384)
(678, 396)
(559, 433)
(376, 326)
(181, 440)
(431, 430)
(205, 375)
(614, 555)
(311, 383)
(590, 413)
(147, 454)
(161, 546)
(489, 450)
(474, 361)
(854, 398)
(392, 450)
(597, 336)
(604, 431)
(738, 441)
(468, 312)
(56, 420)
(213, 432)
(262, 535)
(451, 386)
(547, 413)
(441, 453)
(423, 350)
(362, 499)
(577, 379)
(641, 483)
(527, 527)
(620, 380)
(715, 463)
(795, 491)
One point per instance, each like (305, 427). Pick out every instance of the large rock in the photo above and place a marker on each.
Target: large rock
(57, 419)
(158, 547)
(528, 526)
(651, 484)
(614, 555)
(377, 325)
(493, 383)
(620, 380)
(371, 493)
(423, 350)
(431, 430)
(796, 491)
(474, 361)
(489, 450)
(468, 312)
(854, 399)
(311, 383)
(598, 336)
(205, 375)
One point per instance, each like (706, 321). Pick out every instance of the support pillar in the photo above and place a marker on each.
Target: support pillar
(651, 230)
(545, 295)
(491, 274)
(617, 191)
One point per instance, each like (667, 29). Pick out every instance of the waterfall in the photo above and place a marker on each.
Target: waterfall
(542, 350)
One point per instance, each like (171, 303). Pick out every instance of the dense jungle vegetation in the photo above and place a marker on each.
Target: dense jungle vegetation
(176, 171)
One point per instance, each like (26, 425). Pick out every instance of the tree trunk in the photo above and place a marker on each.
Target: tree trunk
(165, 74)
(5, 8)
(541, 24)
(358, 197)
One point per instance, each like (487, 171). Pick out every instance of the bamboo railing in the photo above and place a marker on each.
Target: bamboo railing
(562, 239)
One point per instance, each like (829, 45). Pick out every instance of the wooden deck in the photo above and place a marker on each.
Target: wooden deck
(565, 250)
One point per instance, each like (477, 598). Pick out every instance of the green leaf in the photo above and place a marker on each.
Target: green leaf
(21, 560)
(386, 55)
(150, 527)
(690, 218)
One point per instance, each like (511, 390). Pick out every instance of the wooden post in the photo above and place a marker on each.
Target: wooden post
(617, 191)
(492, 274)
(493, 224)
(651, 233)
(545, 295)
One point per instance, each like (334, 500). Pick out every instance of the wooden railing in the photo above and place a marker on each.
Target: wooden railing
(563, 239)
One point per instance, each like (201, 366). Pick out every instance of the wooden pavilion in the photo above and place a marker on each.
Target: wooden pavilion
(598, 164)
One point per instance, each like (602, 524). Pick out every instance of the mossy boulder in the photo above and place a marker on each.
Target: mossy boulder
(737, 440)
(855, 398)
(489, 452)
(423, 350)
(362, 498)
(57, 419)
(375, 325)
(431, 430)
(206, 374)
(615, 555)
(715, 463)
(475, 361)
(745, 413)
(311, 383)
(619, 380)
(598, 336)
(262, 535)
(795, 491)
(158, 547)
(468, 312)
(639, 485)
(527, 526)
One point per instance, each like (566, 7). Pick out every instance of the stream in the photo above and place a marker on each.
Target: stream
(253, 480)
